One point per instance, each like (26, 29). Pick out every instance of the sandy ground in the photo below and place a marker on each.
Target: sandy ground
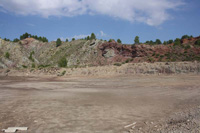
(92, 104)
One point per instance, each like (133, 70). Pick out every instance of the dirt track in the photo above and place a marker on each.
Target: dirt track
(94, 105)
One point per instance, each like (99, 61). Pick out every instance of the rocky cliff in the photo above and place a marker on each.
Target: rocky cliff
(31, 53)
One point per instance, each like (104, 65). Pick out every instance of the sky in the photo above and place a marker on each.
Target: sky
(108, 19)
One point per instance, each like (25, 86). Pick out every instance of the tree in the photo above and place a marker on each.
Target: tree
(177, 41)
(158, 41)
(111, 40)
(66, 40)
(93, 36)
(62, 62)
(170, 41)
(88, 38)
(119, 41)
(16, 40)
(58, 42)
(137, 41)
(73, 39)
(185, 37)
(26, 35)
(151, 42)
(147, 42)
(165, 42)
(6, 39)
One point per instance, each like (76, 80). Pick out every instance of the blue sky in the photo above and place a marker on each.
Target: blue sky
(124, 19)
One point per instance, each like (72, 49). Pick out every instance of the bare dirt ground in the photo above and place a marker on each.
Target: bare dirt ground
(101, 105)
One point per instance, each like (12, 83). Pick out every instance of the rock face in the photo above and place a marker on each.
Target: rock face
(187, 51)
(31, 53)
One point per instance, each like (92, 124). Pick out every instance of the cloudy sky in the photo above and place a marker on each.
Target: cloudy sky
(124, 19)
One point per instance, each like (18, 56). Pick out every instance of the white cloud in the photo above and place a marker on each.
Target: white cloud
(75, 36)
(102, 34)
(151, 12)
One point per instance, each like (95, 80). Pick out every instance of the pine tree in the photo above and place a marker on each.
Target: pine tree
(137, 41)
(58, 42)
(119, 41)
(158, 41)
(93, 36)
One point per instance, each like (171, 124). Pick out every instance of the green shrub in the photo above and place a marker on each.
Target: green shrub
(43, 66)
(158, 41)
(157, 55)
(7, 55)
(117, 64)
(58, 42)
(63, 73)
(111, 40)
(16, 40)
(93, 36)
(62, 62)
(24, 66)
(128, 60)
(136, 40)
(185, 37)
(150, 59)
(161, 56)
(119, 41)
(30, 56)
(187, 47)
(197, 43)
(33, 65)
(177, 42)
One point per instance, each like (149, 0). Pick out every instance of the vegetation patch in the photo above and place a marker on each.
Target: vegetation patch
(24, 66)
(31, 56)
(117, 64)
(7, 55)
(62, 62)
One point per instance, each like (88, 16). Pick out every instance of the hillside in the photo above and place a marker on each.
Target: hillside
(31, 53)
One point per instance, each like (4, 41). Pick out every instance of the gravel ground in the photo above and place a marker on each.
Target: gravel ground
(101, 105)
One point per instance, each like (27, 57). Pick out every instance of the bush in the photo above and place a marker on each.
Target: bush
(43, 66)
(7, 55)
(73, 39)
(117, 64)
(137, 41)
(93, 36)
(6, 39)
(165, 43)
(16, 40)
(33, 65)
(197, 42)
(27, 35)
(24, 66)
(30, 57)
(170, 42)
(187, 47)
(185, 37)
(58, 42)
(177, 42)
(158, 41)
(63, 73)
(119, 41)
(62, 62)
